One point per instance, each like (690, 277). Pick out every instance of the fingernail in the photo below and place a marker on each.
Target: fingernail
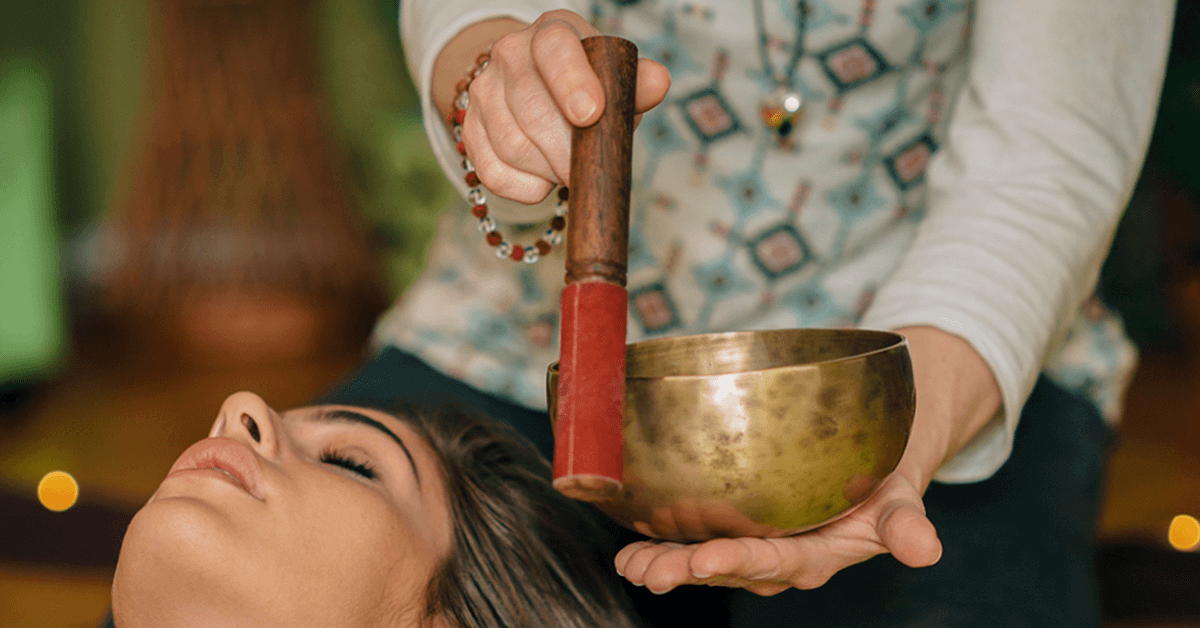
(658, 592)
(700, 573)
(581, 105)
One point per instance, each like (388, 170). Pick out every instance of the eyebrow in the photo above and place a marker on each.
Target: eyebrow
(350, 416)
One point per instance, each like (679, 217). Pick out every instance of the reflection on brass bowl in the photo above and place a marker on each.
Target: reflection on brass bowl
(763, 433)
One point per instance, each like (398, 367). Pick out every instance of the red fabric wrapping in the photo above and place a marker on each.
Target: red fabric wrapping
(591, 385)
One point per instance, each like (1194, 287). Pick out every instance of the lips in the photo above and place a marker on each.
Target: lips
(223, 454)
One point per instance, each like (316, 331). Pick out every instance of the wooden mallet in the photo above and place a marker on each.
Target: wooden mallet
(588, 456)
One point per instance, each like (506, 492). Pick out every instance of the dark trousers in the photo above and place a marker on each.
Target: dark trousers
(1018, 547)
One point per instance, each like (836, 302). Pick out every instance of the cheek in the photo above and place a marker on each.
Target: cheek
(353, 546)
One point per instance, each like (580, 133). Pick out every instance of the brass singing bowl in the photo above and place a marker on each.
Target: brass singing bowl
(763, 433)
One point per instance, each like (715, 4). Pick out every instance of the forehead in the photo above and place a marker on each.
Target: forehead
(337, 414)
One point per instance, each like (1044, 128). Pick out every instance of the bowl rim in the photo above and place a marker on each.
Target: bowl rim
(898, 341)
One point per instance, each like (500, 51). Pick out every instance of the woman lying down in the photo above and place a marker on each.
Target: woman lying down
(351, 516)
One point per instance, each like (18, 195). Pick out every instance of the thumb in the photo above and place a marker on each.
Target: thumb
(908, 534)
(653, 81)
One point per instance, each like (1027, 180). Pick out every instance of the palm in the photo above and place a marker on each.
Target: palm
(892, 520)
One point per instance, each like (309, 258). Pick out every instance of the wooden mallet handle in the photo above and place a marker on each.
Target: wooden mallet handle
(588, 447)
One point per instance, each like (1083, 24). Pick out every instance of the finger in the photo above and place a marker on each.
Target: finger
(524, 143)
(799, 561)
(653, 82)
(500, 178)
(909, 535)
(734, 550)
(622, 558)
(535, 113)
(559, 57)
(721, 557)
(669, 569)
(639, 561)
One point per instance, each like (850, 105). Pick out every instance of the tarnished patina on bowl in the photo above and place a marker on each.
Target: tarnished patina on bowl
(763, 433)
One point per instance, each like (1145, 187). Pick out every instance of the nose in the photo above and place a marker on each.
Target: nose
(246, 417)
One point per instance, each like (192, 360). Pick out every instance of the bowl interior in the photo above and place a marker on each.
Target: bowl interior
(738, 352)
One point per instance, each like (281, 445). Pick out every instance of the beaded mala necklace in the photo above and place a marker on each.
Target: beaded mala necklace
(783, 110)
(478, 194)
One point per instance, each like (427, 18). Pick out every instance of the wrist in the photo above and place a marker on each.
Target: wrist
(957, 396)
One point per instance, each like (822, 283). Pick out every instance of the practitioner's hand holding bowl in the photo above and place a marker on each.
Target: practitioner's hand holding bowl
(893, 520)
(956, 395)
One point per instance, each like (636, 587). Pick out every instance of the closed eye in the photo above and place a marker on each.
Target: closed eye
(334, 457)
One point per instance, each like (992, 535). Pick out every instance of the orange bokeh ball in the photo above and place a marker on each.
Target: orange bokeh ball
(58, 491)
(1184, 533)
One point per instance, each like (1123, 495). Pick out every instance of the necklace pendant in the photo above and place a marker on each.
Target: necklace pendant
(783, 111)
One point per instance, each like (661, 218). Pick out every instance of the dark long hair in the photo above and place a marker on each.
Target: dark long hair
(523, 555)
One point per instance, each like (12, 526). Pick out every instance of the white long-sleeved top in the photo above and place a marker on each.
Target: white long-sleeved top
(1036, 113)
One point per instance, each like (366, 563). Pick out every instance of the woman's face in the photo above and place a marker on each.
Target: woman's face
(323, 516)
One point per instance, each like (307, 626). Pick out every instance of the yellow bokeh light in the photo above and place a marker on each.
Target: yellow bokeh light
(1184, 533)
(58, 491)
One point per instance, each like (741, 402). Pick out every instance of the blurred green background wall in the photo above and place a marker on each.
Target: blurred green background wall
(72, 88)
(31, 333)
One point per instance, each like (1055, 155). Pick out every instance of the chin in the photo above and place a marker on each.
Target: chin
(180, 566)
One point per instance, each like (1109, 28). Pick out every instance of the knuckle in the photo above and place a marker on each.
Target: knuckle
(550, 39)
(511, 147)
(478, 92)
(535, 110)
(556, 16)
(508, 48)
